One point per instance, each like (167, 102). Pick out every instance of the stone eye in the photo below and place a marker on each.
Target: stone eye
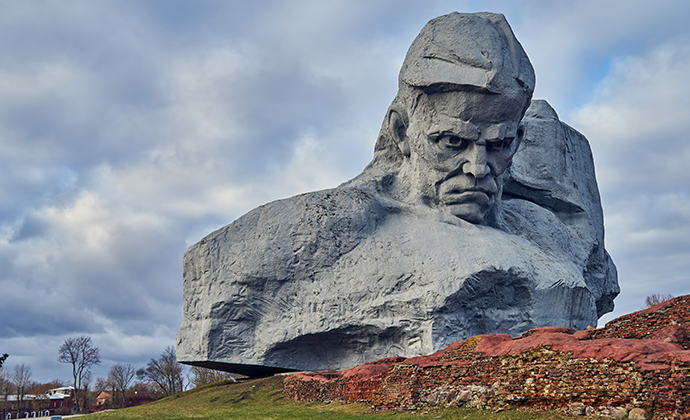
(499, 145)
(453, 142)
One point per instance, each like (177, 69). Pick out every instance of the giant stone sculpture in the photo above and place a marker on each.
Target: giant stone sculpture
(438, 239)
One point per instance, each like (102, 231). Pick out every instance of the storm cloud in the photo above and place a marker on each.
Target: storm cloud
(129, 130)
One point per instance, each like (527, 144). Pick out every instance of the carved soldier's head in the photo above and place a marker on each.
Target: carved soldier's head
(454, 126)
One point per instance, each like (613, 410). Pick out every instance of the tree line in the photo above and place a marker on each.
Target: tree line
(161, 377)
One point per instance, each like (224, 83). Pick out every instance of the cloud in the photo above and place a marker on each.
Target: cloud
(87, 257)
(639, 133)
(572, 44)
(129, 130)
(119, 151)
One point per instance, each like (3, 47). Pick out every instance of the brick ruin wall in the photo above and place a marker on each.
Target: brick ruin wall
(648, 322)
(635, 366)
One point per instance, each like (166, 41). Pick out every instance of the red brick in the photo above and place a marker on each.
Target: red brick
(637, 361)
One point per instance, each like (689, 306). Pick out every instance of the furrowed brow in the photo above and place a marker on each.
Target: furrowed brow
(456, 127)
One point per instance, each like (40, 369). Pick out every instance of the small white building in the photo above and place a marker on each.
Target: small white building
(43, 405)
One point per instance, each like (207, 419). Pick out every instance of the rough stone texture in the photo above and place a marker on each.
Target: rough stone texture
(668, 321)
(554, 169)
(382, 265)
(639, 414)
(546, 368)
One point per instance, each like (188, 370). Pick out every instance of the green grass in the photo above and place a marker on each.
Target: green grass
(263, 399)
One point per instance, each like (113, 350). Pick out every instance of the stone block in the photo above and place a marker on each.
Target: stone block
(639, 414)
(576, 409)
(477, 215)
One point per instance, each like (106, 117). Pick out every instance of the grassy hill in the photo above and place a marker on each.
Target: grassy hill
(263, 399)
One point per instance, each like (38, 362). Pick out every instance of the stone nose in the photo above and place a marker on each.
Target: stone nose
(476, 164)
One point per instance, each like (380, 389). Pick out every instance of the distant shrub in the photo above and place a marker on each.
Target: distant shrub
(656, 298)
(63, 411)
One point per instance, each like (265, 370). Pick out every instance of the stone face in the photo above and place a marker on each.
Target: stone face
(438, 239)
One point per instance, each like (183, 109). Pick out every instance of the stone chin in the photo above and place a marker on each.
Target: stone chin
(470, 206)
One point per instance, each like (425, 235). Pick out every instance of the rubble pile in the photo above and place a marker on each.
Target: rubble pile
(635, 367)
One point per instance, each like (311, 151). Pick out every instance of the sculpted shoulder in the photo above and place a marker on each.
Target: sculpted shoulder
(303, 232)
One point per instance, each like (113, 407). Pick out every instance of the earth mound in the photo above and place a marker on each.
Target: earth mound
(636, 366)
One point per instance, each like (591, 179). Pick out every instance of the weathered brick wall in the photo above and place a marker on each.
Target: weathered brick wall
(593, 372)
(645, 323)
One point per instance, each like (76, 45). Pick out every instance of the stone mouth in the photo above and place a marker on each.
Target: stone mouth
(475, 196)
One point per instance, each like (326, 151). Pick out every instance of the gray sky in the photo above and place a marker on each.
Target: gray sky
(131, 129)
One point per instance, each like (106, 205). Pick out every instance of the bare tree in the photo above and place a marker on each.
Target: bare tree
(164, 372)
(121, 376)
(5, 384)
(202, 376)
(21, 378)
(5, 387)
(81, 353)
(656, 298)
(85, 388)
